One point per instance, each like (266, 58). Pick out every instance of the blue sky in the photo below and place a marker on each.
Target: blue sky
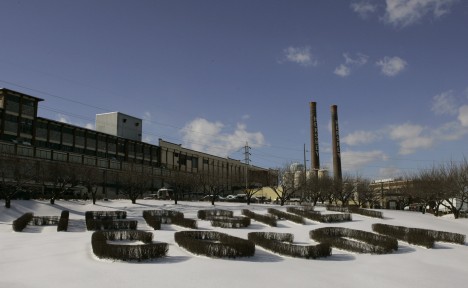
(213, 75)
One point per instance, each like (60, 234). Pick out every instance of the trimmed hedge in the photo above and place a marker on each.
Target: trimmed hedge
(158, 217)
(63, 222)
(418, 236)
(276, 242)
(214, 244)
(206, 214)
(266, 219)
(230, 222)
(44, 220)
(357, 210)
(109, 224)
(103, 249)
(109, 220)
(22, 221)
(367, 242)
(288, 216)
(317, 216)
(106, 215)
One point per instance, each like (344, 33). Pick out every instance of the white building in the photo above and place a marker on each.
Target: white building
(120, 125)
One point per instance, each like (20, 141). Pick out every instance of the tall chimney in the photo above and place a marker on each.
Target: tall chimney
(336, 143)
(314, 144)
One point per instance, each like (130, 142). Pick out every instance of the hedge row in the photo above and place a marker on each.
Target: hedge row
(288, 216)
(367, 242)
(206, 214)
(168, 217)
(266, 219)
(102, 249)
(276, 242)
(109, 224)
(357, 210)
(317, 216)
(63, 221)
(44, 220)
(106, 215)
(22, 221)
(214, 244)
(230, 222)
(418, 236)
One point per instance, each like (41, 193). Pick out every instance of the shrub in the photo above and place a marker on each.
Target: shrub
(109, 224)
(206, 214)
(44, 220)
(283, 215)
(276, 242)
(317, 216)
(106, 215)
(214, 244)
(367, 242)
(266, 219)
(230, 222)
(150, 250)
(418, 236)
(63, 222)
(357, 210)
(158, 217)
(21, 223)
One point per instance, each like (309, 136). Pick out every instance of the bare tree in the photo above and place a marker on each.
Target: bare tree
(287, 184)
(61, 176)
(365, 194)
(343, 189)
(15, 174)
(91, 177)
(134, 182)
(456, 186)
(212, 185)
(182, 182)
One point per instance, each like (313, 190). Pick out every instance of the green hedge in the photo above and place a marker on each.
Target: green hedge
(266, 219)
(281, 243)
(103, 249)
(288, 216)
(22, 221)
(63, 221)
(214, 244)
(367, 242)
(418, 236)
(317, 216)
(206, 214)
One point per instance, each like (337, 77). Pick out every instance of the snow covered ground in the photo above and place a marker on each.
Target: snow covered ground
(43, 257)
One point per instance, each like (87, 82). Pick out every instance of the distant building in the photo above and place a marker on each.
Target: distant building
(115, 146)
(120, 125)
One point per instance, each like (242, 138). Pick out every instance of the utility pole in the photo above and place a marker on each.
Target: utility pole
(247, 161)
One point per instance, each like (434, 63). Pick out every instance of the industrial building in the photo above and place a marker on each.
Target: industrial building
(114, 146)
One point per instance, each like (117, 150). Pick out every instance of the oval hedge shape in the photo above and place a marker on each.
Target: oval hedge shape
(367, 242)
(149, 250)
(214, 244)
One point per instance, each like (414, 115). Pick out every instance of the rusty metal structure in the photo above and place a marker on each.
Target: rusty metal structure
(336, 143)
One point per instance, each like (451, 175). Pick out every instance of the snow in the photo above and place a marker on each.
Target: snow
(43, 257)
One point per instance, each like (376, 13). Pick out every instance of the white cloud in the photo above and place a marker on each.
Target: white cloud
(444, 104)
(90, 126)
(360, 138)
(211, 137)
(463, 115)
(300, 55)
(391, 66)
(342, 71)
(407, 12)
(353, 160)
(63, 118)
(410, 138)
(364, 8)
(450, 131)
(389, 172)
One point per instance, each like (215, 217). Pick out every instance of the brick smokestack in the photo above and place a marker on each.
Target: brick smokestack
(336, 143)
(314, 144)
